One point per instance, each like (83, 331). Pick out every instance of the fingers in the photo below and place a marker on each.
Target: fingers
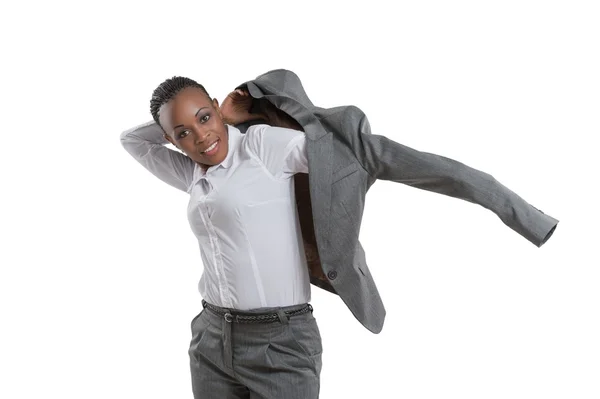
(236, 94)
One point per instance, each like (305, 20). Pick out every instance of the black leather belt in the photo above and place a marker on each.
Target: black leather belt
(254, 318)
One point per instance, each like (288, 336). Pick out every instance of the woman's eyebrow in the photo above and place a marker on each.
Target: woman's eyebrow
(194, 115)
(199, 110)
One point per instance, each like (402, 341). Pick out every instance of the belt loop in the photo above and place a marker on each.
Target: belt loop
(283, 318)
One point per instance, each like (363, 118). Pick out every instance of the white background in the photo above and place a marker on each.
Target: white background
(99, 266)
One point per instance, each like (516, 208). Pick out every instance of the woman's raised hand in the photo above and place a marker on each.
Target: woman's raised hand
(236, 108)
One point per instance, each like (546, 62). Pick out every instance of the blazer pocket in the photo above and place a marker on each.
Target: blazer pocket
(344, 172)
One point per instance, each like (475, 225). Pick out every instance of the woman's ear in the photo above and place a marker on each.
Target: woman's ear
(166, 136)
(216, 106)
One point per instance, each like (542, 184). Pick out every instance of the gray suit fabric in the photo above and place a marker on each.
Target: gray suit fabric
(255, 361)
(345, 159)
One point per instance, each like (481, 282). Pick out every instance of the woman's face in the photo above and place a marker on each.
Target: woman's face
(193, 124)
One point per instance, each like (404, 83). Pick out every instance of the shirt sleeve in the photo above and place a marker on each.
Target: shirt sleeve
(147, 145)
(281, 150)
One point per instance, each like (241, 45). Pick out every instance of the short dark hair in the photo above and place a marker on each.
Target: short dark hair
(169, 89)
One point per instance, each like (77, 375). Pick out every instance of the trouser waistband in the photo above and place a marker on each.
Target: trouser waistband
(270, 315)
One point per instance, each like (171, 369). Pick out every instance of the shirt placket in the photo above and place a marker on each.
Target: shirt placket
(214, 245)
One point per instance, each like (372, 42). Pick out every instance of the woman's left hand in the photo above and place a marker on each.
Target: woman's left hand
(236, 108)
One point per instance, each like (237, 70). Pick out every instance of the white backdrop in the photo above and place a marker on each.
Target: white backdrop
(99, 266)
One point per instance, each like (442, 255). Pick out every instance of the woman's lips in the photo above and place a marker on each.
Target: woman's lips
(214, 150)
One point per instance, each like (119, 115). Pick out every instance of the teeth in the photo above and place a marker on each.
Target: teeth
(212, 147)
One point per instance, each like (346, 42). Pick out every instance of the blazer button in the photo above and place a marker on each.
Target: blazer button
(332, 274)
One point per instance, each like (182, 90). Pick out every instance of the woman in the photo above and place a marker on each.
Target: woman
(256, 336)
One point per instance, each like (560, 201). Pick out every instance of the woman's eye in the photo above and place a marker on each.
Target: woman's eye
(181, 135)
(205, 118)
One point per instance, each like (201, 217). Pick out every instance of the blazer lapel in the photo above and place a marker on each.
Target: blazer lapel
(311, 124)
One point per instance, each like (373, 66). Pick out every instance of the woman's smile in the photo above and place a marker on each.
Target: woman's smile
(212, 149)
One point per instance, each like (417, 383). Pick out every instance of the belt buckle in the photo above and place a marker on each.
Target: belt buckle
(228, 317)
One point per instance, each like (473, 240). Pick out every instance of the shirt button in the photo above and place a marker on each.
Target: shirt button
(332, 275)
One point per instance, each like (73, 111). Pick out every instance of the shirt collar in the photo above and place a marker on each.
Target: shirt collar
(233, 137)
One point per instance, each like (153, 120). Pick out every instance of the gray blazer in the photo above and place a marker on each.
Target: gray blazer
(344, 160)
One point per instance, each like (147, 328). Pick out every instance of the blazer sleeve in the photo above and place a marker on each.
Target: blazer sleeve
(147, 145)
(386, 159)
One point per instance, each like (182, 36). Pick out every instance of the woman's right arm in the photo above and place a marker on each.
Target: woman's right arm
(147, 145)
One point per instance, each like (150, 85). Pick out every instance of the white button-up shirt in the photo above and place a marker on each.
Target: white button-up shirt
(242, 211)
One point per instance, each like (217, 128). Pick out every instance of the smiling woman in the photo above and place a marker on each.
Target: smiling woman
(242, 210)
(191, 121)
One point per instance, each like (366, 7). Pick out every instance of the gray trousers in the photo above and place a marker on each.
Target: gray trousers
(255, 361)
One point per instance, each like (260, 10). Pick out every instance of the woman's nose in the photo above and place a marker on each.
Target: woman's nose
(201, 135)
